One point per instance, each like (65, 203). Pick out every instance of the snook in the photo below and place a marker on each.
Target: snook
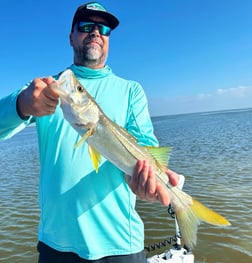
(106, 138)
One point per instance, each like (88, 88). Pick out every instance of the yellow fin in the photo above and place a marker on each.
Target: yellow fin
(84, 137)
(95, 157)
(189, 214)
(161, 154)
(209, 216)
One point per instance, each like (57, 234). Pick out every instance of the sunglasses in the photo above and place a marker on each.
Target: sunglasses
(88, 27)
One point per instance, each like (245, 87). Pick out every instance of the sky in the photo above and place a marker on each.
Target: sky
(189, 55)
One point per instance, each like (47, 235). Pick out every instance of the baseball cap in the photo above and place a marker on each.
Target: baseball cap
(96, 9)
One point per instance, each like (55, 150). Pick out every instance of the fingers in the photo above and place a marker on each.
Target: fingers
(44, 99)
(50, 90)
(144, 181)
(39, 98)
(162, 194)
(144, 184)
(173, 177)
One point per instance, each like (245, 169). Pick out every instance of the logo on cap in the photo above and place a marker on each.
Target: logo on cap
(95, 6)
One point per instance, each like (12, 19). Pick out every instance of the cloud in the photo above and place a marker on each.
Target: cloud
(221, 99)
(241, 91)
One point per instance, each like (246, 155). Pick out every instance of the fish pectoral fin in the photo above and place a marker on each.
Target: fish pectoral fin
(161, 154)
(95, 157)
(84, 137)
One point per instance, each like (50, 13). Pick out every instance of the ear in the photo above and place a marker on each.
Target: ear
(71, 39)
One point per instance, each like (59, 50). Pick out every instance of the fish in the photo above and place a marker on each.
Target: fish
(107, 139)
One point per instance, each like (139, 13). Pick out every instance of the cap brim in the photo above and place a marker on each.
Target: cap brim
(113, 22)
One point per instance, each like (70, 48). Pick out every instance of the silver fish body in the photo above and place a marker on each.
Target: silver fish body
(106, 138)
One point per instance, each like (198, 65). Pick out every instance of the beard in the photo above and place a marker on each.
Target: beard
(93, 53)
(90, 55)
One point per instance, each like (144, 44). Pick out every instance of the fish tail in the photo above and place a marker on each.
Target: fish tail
(189, 214)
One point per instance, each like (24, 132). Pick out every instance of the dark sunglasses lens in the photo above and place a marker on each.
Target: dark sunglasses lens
(104, 30)
(88, 27)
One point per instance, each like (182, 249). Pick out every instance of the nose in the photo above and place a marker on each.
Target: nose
(95, 31)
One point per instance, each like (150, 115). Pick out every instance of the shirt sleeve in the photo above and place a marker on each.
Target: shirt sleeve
(10, 121)
(139, 121)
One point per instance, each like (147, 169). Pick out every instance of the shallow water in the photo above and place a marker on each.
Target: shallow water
(19, 211)
(212, 150)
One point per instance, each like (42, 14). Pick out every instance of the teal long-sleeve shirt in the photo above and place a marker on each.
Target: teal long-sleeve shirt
(88, 213)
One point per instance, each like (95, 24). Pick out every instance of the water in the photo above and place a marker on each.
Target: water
(213, 151)
(19, 213)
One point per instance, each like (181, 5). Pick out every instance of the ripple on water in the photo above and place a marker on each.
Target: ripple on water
(213, 151)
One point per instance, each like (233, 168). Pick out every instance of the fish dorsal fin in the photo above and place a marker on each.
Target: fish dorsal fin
(161, 154)
(95, 157)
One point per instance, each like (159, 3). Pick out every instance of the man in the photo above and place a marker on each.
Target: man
(87, 217)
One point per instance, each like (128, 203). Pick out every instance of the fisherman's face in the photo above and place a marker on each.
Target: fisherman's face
(90, 49)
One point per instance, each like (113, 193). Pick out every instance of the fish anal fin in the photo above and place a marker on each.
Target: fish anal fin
(95, 157)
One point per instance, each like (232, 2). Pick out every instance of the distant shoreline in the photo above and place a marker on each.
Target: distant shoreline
(205, 112)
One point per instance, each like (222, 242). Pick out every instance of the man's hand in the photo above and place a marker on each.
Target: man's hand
(38, 99)
(144, 183)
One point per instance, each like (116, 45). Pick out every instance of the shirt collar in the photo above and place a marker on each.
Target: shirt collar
(88, 73)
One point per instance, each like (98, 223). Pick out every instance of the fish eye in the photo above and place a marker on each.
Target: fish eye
(80, 89)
